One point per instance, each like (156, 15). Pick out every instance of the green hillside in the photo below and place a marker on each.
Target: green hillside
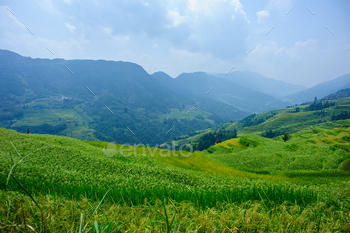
(321, 149)
(287, 120)
(202, 191)
(279, 121)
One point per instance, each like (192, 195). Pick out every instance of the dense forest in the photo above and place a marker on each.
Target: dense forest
(271, 133)
(319, 105)
(210, 139)
(252, 120)
(42, 129)
(341, 116)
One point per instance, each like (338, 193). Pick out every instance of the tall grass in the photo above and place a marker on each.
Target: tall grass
(67, 182)
(63, 215)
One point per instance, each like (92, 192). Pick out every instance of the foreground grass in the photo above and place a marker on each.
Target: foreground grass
(64, 215)
(68, 178)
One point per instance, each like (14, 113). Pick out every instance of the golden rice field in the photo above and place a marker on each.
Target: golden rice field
(58, 184)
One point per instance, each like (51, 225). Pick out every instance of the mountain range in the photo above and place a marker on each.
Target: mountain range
(200, 84)
(321, 90)
(258, 82)
(121, 102)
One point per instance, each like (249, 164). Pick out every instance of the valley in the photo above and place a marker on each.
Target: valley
(189, 116)
(149, 153)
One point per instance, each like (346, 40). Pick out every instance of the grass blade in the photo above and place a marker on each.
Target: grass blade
(97, 207)
(96, 226)
(8, 177)
(81, 222)
(15, 149)
(25, 190)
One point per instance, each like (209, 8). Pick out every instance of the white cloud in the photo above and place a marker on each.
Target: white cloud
(239, 9)
(197, 6)
(300, 49)
(70, 27)
(263, 16)
(120, 38)
(182, 53)
(110, 37)
(49, 6)
(207, 7)
(107, 30)
(176, 18)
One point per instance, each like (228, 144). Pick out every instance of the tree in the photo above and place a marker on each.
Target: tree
(285, 137)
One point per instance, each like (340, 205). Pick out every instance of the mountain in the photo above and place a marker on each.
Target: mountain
(258, 82)
(339, 94)
(321, 90)
(198, 84)
(105, 100)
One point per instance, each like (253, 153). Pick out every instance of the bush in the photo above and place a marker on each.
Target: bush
(285, 137)
(211, 149)
(345, 165)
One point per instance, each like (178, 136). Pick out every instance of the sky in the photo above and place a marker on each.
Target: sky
(301, 42)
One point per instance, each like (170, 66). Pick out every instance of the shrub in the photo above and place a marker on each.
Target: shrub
(211, 149)
(345, 165)
(285, 137)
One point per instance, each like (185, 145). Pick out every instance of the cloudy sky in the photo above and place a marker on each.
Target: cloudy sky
(177, 36)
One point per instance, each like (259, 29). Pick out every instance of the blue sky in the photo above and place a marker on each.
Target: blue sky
(178, 36)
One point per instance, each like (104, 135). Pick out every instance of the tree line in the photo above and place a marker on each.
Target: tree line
(210, 139)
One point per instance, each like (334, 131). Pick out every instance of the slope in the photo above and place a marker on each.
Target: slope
(320, 149)
(321, 90)
(71, 178)
(98, 100)
(199, 83)
(274, 123)
(258, 82)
